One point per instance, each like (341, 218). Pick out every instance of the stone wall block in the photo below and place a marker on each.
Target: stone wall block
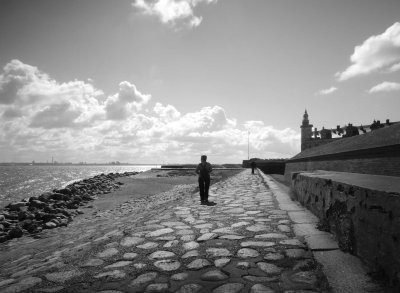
(366, 222)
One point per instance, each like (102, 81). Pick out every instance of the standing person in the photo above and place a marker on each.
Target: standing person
(253, 166)
(204, 169)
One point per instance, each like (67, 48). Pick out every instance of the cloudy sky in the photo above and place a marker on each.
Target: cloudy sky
(164, 81)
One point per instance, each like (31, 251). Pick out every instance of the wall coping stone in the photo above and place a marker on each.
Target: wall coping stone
(389, 184)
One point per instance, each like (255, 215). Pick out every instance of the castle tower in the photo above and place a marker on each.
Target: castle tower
(306, 131)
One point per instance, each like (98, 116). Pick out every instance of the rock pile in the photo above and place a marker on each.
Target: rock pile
(56, 208)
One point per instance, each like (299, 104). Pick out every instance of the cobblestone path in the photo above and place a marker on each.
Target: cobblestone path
(242, 244)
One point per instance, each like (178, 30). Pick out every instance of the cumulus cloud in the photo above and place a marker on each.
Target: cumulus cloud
(385, 86)
(327, 91)
(166, 113)
(172, 12)
(127, 101)
(377, 53)
(28, 93)
(77, 122)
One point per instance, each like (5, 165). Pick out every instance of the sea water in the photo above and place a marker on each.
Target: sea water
(23, 181)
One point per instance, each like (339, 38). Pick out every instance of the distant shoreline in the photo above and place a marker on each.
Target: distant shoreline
(73, 164)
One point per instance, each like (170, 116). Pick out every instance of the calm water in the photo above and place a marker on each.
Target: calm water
(18, 182)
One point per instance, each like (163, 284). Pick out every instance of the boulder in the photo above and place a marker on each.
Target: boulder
(49, 210)
(50, 225)
(15, 232)
(12, 216)
(65, 191)
(72, 205)
(6, 224)
(2, 218)
(16, 206)
(59, 196)
(45, 197)
(48, 217)
(37, 204)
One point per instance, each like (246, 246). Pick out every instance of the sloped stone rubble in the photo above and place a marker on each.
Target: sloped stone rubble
(56, 208)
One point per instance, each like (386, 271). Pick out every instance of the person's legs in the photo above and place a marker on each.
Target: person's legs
(201, 188)
(206, 187)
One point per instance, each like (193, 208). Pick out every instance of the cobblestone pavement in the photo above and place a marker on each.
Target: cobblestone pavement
(242, 244)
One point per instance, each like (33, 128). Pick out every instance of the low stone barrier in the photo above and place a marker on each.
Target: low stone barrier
(362, 211)
(56, 208)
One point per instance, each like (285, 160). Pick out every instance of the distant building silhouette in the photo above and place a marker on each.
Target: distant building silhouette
(311, 138)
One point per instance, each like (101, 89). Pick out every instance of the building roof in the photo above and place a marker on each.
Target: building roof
(387, 136)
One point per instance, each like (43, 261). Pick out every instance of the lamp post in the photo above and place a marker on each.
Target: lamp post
(248, 145)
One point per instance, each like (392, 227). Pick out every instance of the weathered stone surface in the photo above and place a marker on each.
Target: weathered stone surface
(214, 275)
(284, 228)
(165, 238)
(240, 224)
(172, 243)
(159, 232)
(189, 288)
(184, 232)
(157, 287)
(229, 288)
(269, 268)
(172, 224)
(143, 279)
(148, 245)
(161, 254)
(22, 285)
(307, 277)
(271, 236)
(293, 242)
(260, 288)
(190, 245)
(202, 226)
(187, 238)
(244, 265)
(207, 236)
(167, 264)
(232, 237)
(258, 228)
(129, 255)
(224, 230)
(108, 253)
(119, 264)
(115, 274)
(198, 264)
(235, 211)
(61, 277)
(179, 277)
(139, 265)
(247, 252)
(257, 244)
(273, 256)
(192, 253)
(218, 252)
(6, 281)
(94, 262)
(131, 241)
(221, 262)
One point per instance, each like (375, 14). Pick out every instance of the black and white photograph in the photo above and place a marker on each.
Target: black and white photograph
(200, 146)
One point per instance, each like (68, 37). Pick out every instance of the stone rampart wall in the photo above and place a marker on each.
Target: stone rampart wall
(365, 221)
(389, 166)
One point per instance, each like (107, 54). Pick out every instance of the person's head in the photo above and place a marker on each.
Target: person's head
(203, 158)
